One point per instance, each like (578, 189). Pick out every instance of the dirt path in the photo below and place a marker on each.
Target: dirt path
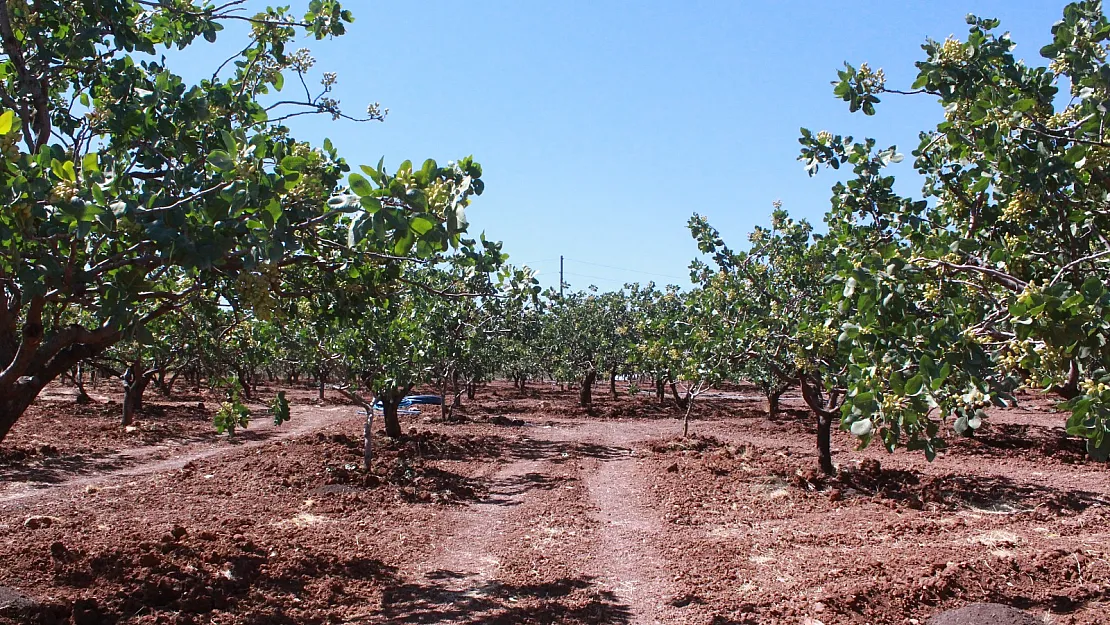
(54, 478)
(576, 486)
(634, 570)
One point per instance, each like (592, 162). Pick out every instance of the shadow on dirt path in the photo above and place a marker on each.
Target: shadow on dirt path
(453, 597)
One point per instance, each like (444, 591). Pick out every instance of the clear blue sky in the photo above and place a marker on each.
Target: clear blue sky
(602, 125)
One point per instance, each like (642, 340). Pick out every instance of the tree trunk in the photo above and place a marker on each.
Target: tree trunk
(773, 403)
(457, 401)
(244, 382)
(824, 444)
(686, 417)
(321, 380)
(391, 401)
(471, 389)
(826, 411)
(129, 379)
(15, 404)
(613, 384)
(660, 390)
(368, 437)
(166, 386)
(79, 378)
(679, 400)
(585, 393)
(443, 394)
(139, 390)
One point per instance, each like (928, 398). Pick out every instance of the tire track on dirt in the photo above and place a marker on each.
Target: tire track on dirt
(461, 582)
(137, 462)
(634, 570)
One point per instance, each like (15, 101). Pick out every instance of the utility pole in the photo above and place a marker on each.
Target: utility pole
(560, 276)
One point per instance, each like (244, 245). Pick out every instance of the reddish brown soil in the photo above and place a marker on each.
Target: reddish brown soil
(567, 517)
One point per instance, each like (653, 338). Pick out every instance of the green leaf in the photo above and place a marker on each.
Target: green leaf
(374, 174)
(6, 121)
(1099, 450)
(914, 384)
(293, 163)
(229, 142)
(90, 163)
(221, 160)
(421, 224)
(1024, 105)
(361, 186)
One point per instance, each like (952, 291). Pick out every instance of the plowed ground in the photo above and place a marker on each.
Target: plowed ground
(533, 511)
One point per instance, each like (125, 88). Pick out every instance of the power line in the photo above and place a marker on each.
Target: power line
(646, 273)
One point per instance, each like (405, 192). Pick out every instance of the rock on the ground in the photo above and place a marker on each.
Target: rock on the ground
(985, 614)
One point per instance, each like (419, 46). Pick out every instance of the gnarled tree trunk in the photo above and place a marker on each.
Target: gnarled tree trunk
(826, 409)
(679, 400)
(585, 393)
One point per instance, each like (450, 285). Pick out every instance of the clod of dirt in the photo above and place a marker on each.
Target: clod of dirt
(673, 468)
(86, 612)
(12, 602)
(178, 532)
(503, 420)
(985, 614)
(59, 551)
(35, 522)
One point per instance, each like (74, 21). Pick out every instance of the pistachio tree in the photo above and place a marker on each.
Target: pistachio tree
(995, 277)
(128, 191)
(773, 328)
(580, 333)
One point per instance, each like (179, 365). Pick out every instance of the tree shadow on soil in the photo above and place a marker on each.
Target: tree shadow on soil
(55, 470)
(455, 597)
(1005, 440)
(987, 493)
(506, 491)
(559, 451)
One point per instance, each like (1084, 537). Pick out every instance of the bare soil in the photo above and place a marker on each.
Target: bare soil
(532, 510)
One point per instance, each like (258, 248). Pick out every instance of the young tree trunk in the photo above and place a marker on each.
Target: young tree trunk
(471, 389)
(585, 393)
(79, 378)
(443, 408)
(129, 378)
(613, 384)
(824, 444)
(368, 438)
(660, 390)
(686, 417)
(457, 401)
(321, 381)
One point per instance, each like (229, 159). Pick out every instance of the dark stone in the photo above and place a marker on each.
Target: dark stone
(985, 614)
